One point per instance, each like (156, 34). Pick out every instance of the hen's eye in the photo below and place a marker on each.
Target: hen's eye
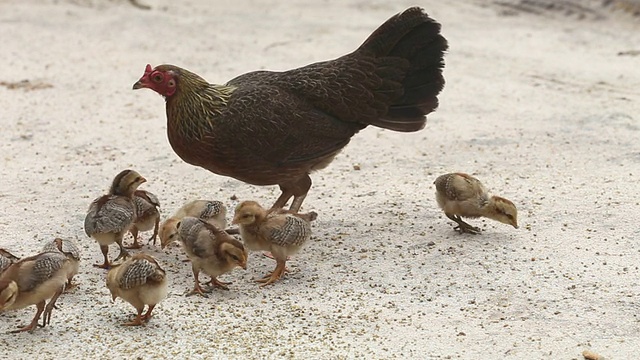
(157, 78)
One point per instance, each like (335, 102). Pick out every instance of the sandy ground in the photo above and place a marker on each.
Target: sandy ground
(543, 109)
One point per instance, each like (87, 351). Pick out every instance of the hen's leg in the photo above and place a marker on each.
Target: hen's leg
(298, 189)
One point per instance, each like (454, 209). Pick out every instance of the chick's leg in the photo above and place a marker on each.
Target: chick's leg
(69, 285)
(136, 245)
(220, 284)
(105, 264)
(275, 274)
(34, 322)
(197, 289)
(155, 231)
(46, 317)
(123, 252)
(137, 321)
(147, 315)
(463, 227)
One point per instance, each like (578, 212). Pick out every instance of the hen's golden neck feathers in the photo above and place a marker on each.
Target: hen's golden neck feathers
(193, 108)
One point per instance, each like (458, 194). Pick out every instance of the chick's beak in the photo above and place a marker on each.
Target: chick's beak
(515, 225)
(114, 297)
(243, 265)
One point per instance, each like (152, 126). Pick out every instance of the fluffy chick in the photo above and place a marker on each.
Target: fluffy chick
(280, 232)
(140, 281)
(33, 280)
(71, 251)
(147, 216)
(6, 259)
(111, 216)
(211, 250)
(462, 195)
(212, 211)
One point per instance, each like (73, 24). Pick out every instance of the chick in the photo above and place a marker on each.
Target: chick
(111, 216)
(280, 232)
(71, 251)
(148, 216)
(33, 280)
(214, 212)
(462, 195)
(211, 250)
(6, 259)
(140, 281)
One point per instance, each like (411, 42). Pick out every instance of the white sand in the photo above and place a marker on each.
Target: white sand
(542, 109)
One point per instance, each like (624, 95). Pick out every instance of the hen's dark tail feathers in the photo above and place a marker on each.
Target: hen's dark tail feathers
(408, 44)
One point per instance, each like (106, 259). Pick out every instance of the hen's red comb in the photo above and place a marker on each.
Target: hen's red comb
(148, 69)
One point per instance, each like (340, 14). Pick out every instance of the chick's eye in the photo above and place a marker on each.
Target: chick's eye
(509, 216)
(235, 258)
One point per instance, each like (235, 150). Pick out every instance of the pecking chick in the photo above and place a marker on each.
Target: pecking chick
(147, 216)
(71, 251)
(111, 216)
(212, 211)
(461, 195)
(211, 250)
(140, 281)
(33, 280)
(280, 232)
(6, 259)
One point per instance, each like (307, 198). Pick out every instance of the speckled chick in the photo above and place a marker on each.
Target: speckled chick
(148, 216)
(71, 251)
(461, 195)
(6, 259)
(140, 281)
(212, 211)
(280, 232)
(111, 216)
(32, 281)
(211, 250)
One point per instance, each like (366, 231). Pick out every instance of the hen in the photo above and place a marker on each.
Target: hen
(275, 128)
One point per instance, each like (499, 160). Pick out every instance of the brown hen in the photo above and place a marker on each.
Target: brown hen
(275, 128)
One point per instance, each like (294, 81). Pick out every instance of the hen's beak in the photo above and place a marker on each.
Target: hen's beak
(138, 85)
